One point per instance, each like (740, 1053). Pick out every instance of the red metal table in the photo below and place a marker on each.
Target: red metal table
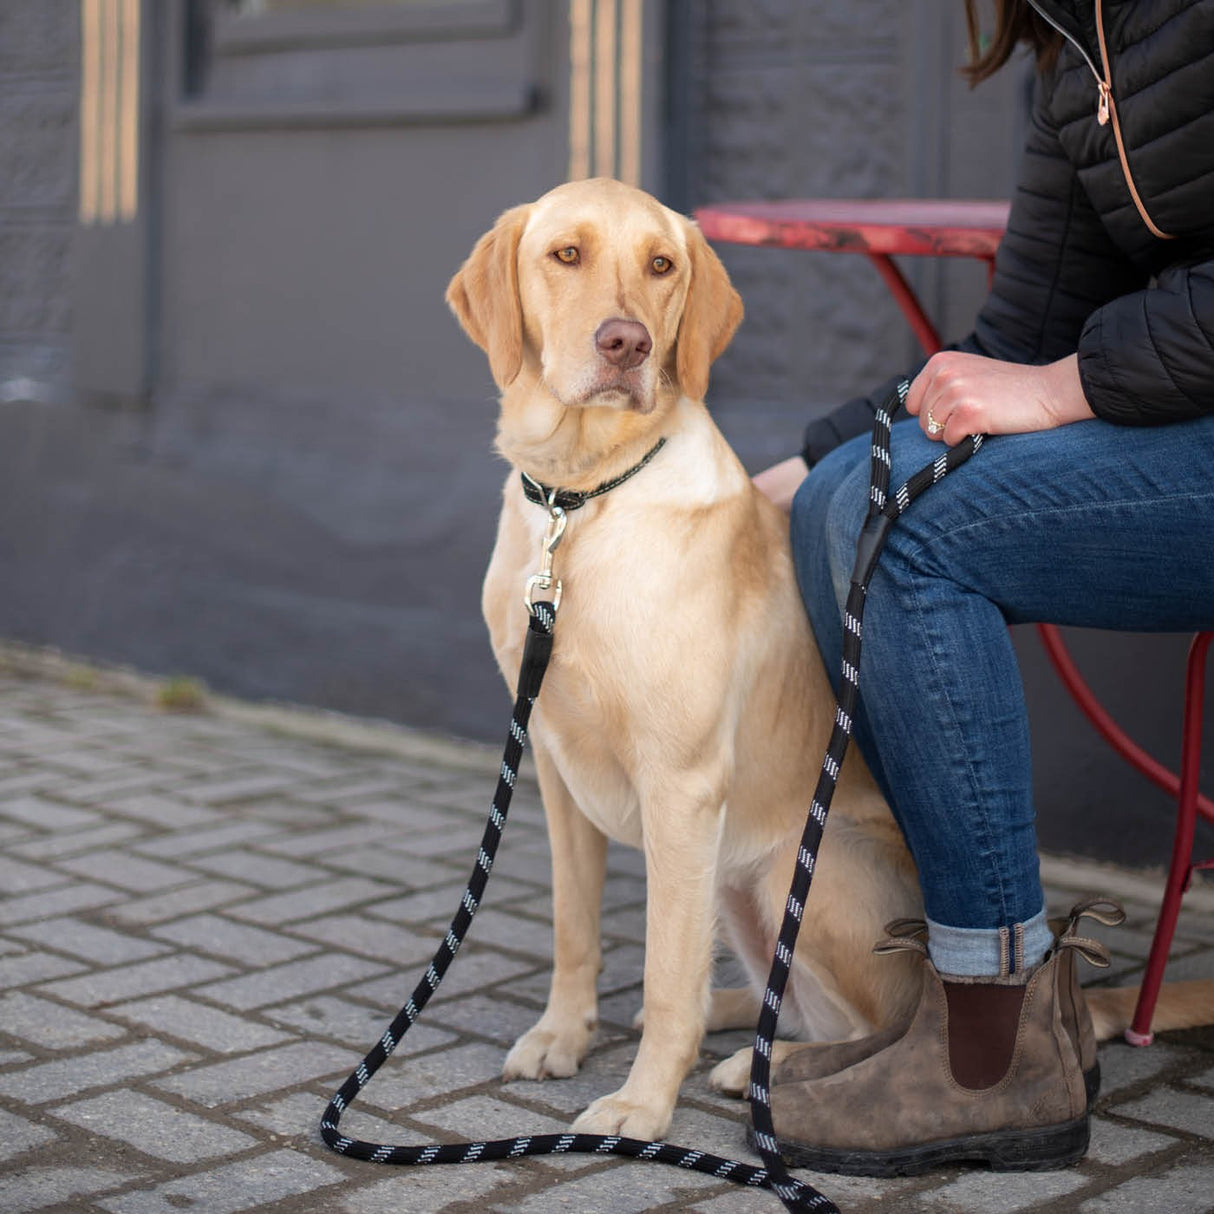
(878, 228)
(881, 229)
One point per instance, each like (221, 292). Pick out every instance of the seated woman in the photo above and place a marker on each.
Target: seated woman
(1093, 361)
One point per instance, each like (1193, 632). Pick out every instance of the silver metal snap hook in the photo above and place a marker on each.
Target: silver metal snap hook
(544, 581)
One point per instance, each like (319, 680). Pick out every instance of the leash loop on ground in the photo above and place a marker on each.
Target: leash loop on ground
(536, 654)
(796, 1195)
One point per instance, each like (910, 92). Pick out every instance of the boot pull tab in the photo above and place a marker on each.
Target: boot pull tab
(906, 927)
(905, 935)
(1092, 951)
(1103, 910)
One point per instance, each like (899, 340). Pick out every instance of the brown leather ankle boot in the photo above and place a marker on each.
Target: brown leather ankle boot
(986, 1071)
(817, 1059)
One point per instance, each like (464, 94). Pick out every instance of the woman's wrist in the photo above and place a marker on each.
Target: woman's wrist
(781, 481)
(1068, 402)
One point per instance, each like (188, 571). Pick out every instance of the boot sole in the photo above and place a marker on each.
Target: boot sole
(1038, 1150)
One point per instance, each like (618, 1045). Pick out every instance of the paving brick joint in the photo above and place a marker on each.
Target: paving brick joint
(206, 919)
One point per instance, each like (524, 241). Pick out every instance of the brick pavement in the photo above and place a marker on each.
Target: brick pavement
(207, 919)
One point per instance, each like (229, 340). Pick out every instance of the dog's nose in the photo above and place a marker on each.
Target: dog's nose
(623, 343)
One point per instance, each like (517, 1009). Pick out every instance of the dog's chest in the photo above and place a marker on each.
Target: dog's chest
(597, 780)
(584, 716)
(639, 663)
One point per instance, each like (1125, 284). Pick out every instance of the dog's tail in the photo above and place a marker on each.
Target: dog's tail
(1181, 1005)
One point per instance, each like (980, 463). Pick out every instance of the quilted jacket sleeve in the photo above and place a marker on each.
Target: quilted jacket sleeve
(1148, 357)
(1055, 267)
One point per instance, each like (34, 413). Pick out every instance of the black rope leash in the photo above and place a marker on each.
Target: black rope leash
(883, 510)
(796, 1195)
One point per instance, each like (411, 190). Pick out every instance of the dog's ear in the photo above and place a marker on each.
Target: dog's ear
(485, 299)
(711, 314)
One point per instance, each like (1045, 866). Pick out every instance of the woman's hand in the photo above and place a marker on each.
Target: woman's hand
(960, 394)
(781, 481)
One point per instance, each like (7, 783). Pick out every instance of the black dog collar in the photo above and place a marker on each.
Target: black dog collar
(571, 499)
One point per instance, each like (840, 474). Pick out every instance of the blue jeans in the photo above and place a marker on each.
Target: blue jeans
(1091, 524)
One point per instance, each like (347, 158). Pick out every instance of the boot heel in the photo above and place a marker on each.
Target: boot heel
(1039, 1150)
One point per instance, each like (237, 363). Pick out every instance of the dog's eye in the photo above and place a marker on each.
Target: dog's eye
(568, 255)
(661, 265)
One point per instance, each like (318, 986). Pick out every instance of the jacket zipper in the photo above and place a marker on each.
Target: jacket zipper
(1106, 107)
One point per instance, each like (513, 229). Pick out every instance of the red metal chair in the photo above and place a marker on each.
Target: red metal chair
(1189, 801)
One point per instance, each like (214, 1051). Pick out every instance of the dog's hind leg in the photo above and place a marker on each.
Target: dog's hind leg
(735, 1007)
(732, 1077)
(556, 1045)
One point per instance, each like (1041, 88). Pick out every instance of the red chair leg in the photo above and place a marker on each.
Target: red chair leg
(908, 301)
(1085, 699)
(1181, 871)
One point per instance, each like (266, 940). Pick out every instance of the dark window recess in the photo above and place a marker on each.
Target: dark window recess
(256, 66)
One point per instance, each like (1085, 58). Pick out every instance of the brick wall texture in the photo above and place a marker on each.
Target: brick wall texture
(39, 74)
(803, 100)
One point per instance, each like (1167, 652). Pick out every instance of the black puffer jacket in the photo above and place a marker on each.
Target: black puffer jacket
(1080, 267)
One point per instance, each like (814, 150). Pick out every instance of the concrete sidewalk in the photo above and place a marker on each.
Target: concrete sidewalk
(209, 918)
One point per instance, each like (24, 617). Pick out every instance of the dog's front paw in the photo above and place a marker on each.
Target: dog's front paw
(732, 1077)
(616, 1114)
(545, 1052)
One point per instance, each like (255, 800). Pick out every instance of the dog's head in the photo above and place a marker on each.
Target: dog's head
(606, 296)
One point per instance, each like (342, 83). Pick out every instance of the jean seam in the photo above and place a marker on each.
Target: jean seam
(999, 885)
(912, 551)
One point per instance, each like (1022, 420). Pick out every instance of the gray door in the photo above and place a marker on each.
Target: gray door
(305, 505)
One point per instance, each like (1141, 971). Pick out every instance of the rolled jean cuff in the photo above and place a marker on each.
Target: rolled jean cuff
(997, 952)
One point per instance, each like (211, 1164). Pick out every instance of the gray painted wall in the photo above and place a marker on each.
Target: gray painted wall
(820, 99)
(303, 507)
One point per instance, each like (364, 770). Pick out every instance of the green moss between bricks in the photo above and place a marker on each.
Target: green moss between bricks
(181, 694)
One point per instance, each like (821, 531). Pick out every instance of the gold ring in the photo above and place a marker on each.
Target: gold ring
(933, 426)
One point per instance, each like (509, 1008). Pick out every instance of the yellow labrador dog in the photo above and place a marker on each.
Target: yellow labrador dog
(686, 710)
